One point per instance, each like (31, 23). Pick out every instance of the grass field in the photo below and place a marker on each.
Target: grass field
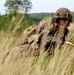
(14, 62)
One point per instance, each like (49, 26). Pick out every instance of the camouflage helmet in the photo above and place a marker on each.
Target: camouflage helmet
(63, 13)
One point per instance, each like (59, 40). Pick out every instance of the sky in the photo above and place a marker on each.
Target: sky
(39, 6)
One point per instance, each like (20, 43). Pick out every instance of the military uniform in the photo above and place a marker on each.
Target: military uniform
(57, 32)
(49, 35)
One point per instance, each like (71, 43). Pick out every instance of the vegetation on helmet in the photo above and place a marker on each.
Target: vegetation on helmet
(63, 13)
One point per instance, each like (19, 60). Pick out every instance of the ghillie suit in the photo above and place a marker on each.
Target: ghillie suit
(48, 35)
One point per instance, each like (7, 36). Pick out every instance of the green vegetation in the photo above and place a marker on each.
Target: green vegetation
(37, 17)
(14, 22)
(17, 22)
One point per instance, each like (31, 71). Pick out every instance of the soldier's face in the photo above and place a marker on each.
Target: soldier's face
(62, 22)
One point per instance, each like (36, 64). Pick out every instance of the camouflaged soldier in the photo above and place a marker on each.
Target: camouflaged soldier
(48, 36)
(63, 18)
(57, 31)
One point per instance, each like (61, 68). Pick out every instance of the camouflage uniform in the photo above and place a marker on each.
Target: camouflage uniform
(57, 33)
(48, 35)
(62, 13)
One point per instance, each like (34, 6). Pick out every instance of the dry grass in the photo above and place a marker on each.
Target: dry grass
(71, 27)
(14, 62)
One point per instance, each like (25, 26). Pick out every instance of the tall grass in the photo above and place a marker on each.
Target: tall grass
(14, 62)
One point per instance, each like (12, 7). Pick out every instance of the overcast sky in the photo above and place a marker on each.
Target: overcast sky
(45, 5)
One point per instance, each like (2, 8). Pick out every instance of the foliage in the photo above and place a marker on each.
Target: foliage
(25, 23)
(37, 17)
(14, 23)
(18, 5)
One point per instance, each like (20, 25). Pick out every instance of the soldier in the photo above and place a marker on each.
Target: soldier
(57, 30)
(49, 35)
(63, 18)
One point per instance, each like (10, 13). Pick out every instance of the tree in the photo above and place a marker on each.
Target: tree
(19, 5)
